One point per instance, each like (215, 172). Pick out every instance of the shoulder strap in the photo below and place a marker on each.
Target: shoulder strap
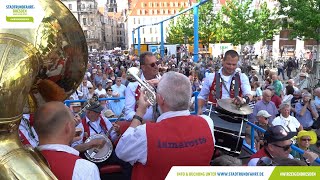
(86, 129)
(103, 124)
(217, 79)
(236, 85)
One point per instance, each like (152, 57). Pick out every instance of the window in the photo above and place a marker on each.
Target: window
(155, 11)
(85, 33)
(150, 30)
(84, 21)
(150, 11)
(142, 30)
(138, 11)
(138, 20)
(171, 4)
(70, 6)
(160, 4)
(144, 40)
(155, 30)
(177, 4)
(155, 4)
(135, 40)
(157, 39)
(165, 4)
(142, 4)
(151, 39)
(150, 4)
(161, 11)
(143, 11)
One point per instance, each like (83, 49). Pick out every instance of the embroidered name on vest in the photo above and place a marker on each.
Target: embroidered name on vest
(184, 144)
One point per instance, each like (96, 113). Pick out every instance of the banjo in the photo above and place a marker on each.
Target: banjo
(98, 155)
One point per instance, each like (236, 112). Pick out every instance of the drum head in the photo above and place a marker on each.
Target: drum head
(99, 155)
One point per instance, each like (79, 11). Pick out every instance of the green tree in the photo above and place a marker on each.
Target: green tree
(208, 27)
(246, 25)
(303, 18)
(177, 32)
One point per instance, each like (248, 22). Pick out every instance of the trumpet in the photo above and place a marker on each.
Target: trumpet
(150, 93)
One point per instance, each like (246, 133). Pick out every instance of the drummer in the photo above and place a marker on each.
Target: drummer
(222, 84)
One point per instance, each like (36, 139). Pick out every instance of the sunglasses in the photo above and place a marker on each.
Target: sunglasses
(285, 148)
(305, 139)
(89, 88)
(110, 90)
(265, 161)
(152, 64)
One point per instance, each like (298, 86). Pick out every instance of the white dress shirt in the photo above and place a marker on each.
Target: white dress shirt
(290, 123)
(98, 128)
(132, 146)
(130, 102)
(245, 85)
(27, 130)
(83, 169)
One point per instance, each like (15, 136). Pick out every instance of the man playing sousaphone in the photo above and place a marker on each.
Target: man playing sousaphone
(92, 124)
(225, 84)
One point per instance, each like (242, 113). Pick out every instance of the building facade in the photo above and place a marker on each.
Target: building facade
(103, 30)
(143, 12)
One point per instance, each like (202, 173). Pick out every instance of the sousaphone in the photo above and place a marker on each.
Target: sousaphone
(45, 63)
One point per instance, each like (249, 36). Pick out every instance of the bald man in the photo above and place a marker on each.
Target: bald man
(56, 129)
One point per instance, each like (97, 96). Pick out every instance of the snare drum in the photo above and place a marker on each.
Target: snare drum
(229, 133)
(99, 155)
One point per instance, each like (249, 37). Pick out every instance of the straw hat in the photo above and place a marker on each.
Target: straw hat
(311, 134)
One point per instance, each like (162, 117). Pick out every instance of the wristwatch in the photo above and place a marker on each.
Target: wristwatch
(138, 118)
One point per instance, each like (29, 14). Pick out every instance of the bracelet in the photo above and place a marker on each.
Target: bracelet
(138, 118)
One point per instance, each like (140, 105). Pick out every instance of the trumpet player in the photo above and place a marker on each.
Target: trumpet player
(177, 138)
(150, 71)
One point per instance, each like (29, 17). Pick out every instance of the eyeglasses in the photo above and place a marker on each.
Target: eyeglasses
(305, 139)
(285, 148)
(152, 64)
(265, 161)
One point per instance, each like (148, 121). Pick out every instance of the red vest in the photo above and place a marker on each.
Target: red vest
(215, 83)
(177, 141)
(86, 128)
(61, 163)
(137, 96)
(261, 153)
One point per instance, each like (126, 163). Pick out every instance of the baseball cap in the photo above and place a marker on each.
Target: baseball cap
(95, 108)
(108, 113)
(263, 113)
(303, 74)
(277, 133)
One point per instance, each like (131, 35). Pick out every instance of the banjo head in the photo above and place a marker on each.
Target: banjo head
(99, 155)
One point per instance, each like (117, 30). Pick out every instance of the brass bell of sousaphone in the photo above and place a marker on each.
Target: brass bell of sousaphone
(39, 64)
